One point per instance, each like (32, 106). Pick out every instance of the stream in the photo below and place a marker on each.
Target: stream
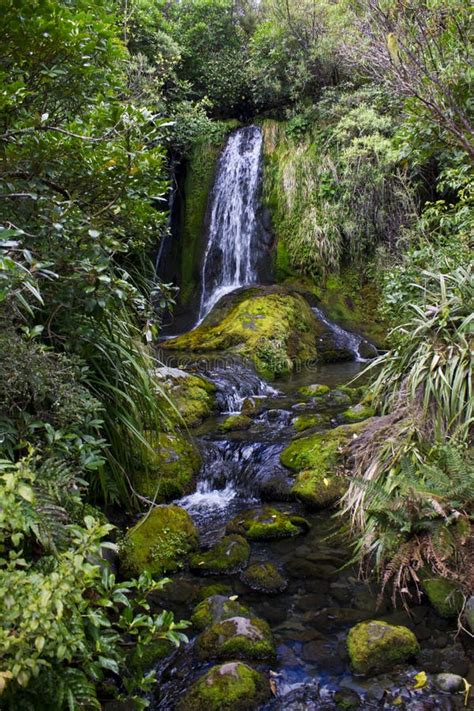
(324, 595)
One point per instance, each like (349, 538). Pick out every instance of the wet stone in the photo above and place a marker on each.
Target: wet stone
(450, 683)
(265, 578)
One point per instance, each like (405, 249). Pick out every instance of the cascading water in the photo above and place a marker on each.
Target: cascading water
(231, 256)
(360, 348)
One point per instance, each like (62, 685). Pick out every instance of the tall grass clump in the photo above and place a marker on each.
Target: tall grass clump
(411, 500)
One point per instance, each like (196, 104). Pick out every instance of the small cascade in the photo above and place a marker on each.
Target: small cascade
(361, 349)
(232, 253)
(235, 383)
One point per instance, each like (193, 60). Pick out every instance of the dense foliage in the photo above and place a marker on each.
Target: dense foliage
(368, 120)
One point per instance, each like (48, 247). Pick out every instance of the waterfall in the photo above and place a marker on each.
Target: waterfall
(231, 256)
(360, 348)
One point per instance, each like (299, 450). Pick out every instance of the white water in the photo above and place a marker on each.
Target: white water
(231, 256)
(342, 338)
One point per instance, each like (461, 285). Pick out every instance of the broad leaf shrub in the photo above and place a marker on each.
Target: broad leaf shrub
(69, 627)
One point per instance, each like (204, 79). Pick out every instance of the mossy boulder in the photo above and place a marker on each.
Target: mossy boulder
(444, 595)
(264, 577)
(338, 398)
(228, 556)
(355, 394)
(361, 411)
(376, 646)
(215, 609)
(214, 589)
(315, 390)
(316, 459)
(247, 638)
(192, 396)
(266, 524)
(235, 422)
(306, 422)
(272, 326)
(229, 687)
(160, 542)
(171, 468)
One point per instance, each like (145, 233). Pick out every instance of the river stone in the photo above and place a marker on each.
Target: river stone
(228, 556)
(215, 609)
(172, 465)
(267, 524)
(214, 589)
(316, 458)
(265, 578)
(376, 646)
(229, 687)
(247, 638)
(451, 683)
(361, 411)
(469, 613)
(193, 396)
(160, 542)
(315, 390)
(235, 422)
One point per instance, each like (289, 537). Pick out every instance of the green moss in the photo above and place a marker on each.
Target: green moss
(355, 394)
(314, 390)
(305, 422)
(316, 459)
(160, 542)
(216, 589)
(200, 173)
(235, 422)
(264, 577)
(359, 412)
(171, 468)
(216, 609)
(236, 638)
(376, 646)
(269, 325)
(229, 687)
(318, 491)
(230, 555)
(190, 396)
(267, 524)
(443, 594)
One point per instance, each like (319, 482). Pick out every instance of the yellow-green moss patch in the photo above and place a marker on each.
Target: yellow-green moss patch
(444, 595)
(229, 687)
(228, 556)
(266, 524)
(376, 646)
(171, 468)
(215, 609)
(238, 637)
(160, 542)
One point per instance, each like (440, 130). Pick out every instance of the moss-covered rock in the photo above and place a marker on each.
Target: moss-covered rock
(171, 468)
(192, 396)
(266, 524)
(216, 609)
(214, 589)
(314, 390)
(264, 577)
(228, 556)
(235, 422)
(272, 326)
(229, 687)
(361, 411)
(376, 646)
(305, 422)
(338, 398)
(355, 394)
(160, 542)
(316, 459)
(444, 595)
(246, 638)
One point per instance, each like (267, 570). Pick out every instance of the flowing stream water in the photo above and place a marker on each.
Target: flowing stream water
(324, 596)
